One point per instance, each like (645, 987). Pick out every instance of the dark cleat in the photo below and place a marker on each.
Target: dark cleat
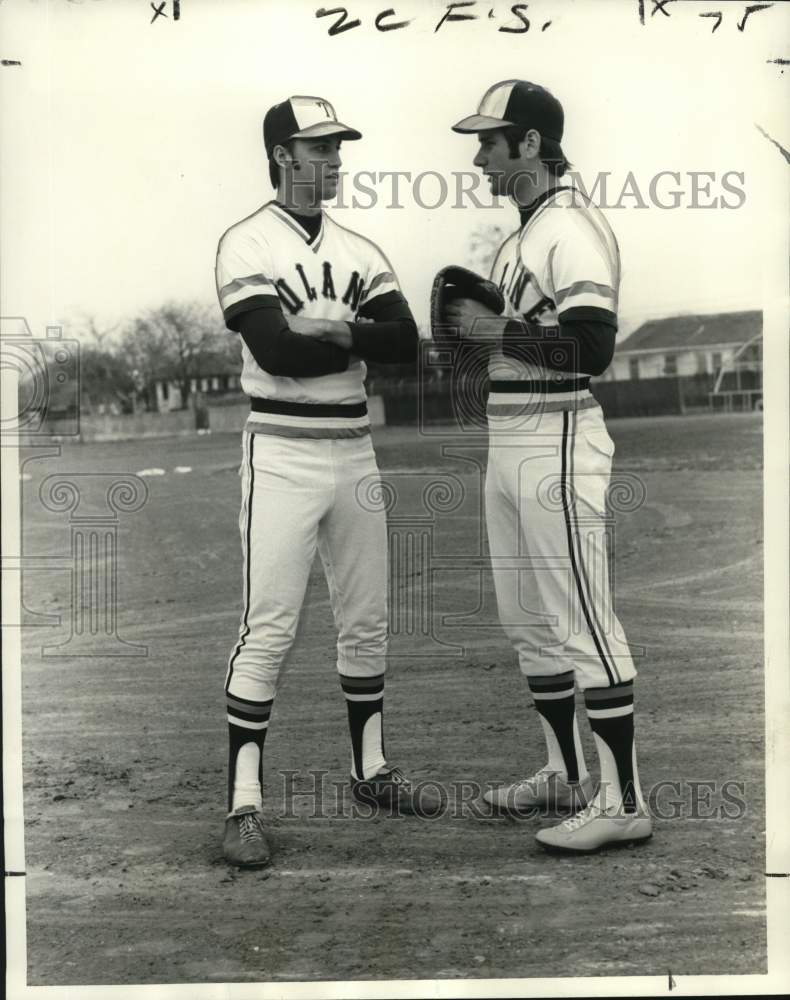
(391, 788)
(244, 843)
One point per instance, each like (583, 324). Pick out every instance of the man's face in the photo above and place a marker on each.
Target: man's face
(494, 159)
(319, 162)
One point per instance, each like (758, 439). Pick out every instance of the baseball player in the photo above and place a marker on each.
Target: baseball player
(549, 464)
(312, 301)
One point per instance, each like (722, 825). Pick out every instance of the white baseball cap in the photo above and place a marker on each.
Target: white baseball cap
(302, 118)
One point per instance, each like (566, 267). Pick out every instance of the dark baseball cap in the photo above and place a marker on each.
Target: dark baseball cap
(302, 118)
(517, 102)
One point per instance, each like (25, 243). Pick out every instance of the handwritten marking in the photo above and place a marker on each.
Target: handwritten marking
(672, 983)
(659, 5)
(11, 62)
(390, 27)
(753, 10)
(781, 148)
(718, 14)
(340, 25)
(449, 16)
(518, 9)
(779, 62)
(159, 11)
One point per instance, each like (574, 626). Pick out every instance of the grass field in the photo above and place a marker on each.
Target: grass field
(124, 756)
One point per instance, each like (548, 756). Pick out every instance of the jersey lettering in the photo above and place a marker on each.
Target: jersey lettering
(311, 292)
(288, 296)
(519, 281)
(354, 291)
(328, 291)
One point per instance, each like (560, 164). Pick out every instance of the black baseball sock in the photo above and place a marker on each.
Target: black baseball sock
(611, 714)
(248, 723)
(365, 703)
(556, 704)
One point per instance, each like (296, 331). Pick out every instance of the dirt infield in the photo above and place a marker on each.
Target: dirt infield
(124, 756)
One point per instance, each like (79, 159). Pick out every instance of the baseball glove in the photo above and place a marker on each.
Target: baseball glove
(454, 282)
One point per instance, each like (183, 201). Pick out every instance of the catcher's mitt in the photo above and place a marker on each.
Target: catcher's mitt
(456, 282)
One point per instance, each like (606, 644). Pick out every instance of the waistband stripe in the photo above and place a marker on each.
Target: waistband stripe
(288, 409)
(540, 386)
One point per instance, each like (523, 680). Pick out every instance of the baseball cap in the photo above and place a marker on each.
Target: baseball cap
(517, 102)
(302, 118)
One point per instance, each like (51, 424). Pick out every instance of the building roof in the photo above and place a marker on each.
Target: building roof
(676, 333)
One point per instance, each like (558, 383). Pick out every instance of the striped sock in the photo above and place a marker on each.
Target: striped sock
(248, 723)
(365, 703)
(556, 704)
(611, 714)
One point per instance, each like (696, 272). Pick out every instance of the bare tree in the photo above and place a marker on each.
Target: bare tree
(177, 341)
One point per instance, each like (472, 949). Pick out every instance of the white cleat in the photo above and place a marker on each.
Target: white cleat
(546, 790)
(592, 829)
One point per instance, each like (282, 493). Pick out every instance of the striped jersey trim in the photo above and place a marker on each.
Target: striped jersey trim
(263, 426)
(378, 280)
(530, 405)
(250, 281)
(605, 291)
(540, 387)
(285, 418)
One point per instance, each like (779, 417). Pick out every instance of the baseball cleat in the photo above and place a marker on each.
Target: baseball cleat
(244, 843)
(546, 790)
(393, 789)
(593, 828)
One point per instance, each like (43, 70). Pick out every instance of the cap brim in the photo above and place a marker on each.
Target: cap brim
(322, 129)
(480, 123)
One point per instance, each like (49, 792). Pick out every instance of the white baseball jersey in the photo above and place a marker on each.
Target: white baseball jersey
(330, 276)
(550, 454)
(564, 262)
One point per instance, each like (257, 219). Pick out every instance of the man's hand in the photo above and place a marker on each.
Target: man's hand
(331, 330)
(472, 319)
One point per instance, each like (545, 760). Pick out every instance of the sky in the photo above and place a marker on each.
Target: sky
(128, 147)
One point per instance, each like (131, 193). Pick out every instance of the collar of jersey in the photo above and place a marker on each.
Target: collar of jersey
(287, 220)
(528, 213)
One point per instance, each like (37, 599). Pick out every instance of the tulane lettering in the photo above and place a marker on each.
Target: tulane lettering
(288, 296)
(518, 284)
(354, 291)
(311, 293)
(294, 304)
(328, 291)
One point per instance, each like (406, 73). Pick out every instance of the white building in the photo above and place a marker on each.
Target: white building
(683, 346)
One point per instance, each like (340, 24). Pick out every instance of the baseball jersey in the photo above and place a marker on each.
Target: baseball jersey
(268, 258)
(563, 262)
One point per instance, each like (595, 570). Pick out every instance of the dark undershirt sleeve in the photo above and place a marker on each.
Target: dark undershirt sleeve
(392, 337)
(278, 351)
(583, 342)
